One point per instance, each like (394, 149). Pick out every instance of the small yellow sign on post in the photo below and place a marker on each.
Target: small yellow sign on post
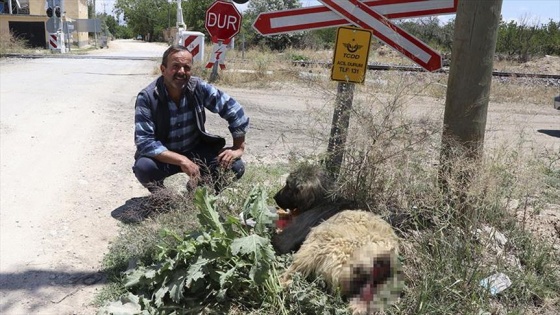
(351, 54)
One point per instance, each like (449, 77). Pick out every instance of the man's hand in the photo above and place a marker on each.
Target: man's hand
(190, 168)
(228, 156)
(187, 166)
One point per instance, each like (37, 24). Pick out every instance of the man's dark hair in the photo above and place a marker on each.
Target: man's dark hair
(171, 50)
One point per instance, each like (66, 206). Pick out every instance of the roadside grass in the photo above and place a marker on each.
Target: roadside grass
(262, 68)
(450, 241)
(11, 44)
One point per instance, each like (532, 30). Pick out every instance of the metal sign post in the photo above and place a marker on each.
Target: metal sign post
(223, 22)
(339, 127)
(217, 59)
(349, 67)
(54, 25)
(180, 22)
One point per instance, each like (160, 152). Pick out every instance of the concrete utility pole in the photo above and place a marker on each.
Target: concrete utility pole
(470, 77)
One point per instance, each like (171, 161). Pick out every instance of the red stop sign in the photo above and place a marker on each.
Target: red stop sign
(222, 21)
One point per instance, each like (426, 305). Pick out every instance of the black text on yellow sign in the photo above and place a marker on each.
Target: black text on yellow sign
(351, 54)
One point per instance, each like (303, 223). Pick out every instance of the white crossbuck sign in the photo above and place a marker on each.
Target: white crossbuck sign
(372, 15)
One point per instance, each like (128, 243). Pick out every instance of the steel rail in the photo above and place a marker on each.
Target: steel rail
(386, 67)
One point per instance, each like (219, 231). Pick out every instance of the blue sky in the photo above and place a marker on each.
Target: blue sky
(532, 11)
(539, 9)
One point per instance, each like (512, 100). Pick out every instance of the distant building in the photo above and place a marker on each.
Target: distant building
(27, 19)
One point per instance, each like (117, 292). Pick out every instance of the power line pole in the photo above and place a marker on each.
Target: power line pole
(94, 17)
(468, 88)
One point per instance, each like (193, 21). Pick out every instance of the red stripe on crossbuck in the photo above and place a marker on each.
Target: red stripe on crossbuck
(195, 50)
(53, 41)
(316, 17)
(189, 40)
(361, 15)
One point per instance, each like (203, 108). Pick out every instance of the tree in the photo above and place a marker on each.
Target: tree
(428, 30)
(153, 16)
(112, 24)
(446, 35)
(549, 38)
(323, 38)
(194, 13)
(507, 38)
(91, 12)
(525, 39)
(148, 18)
(116, 30)
(527, 33)
(275, 42)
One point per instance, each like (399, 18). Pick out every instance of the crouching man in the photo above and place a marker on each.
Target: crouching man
(169, 130)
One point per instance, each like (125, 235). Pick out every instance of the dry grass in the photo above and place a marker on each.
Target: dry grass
(263, 68)
(545, 65)
(11, 44)
(523, 91)
(391, 165)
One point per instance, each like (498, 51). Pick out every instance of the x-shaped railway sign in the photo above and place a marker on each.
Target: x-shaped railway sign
(371, 15)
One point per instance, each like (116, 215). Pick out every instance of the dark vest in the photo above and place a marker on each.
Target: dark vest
(157, 98)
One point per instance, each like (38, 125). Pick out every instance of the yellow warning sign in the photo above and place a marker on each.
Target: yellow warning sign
(351, 54)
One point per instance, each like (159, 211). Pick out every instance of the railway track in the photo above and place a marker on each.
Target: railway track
(553, 79)
(548, 79)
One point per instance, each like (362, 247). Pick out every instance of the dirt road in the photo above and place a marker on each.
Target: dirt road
(66, 131)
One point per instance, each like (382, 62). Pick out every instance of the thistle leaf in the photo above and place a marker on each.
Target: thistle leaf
(196, 271)
(255, 207)
(260, 253)
(207, 216)
(135, 277)
(176, 286)
(128, 304)
(225, 276)
(160, 295)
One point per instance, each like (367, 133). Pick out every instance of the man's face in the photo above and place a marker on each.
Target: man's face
(177, 71)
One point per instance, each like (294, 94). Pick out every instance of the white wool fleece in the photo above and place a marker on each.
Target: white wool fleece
(331, 247)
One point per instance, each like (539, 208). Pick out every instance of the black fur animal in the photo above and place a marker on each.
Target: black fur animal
(308, 193)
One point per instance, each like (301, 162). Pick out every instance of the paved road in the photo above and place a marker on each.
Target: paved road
(65, 154)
